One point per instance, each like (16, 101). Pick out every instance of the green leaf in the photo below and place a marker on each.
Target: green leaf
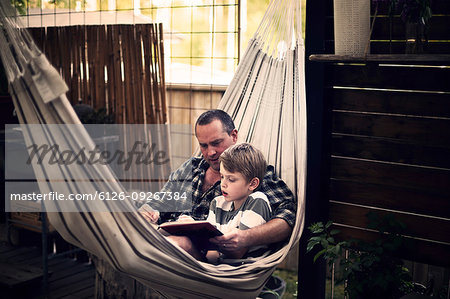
(316, 228)
(311, 245)
(315, 239)
(343, 244)
(319, 254)
(334, 232)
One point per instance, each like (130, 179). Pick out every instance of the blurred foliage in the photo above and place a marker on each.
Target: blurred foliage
(372, 269)
(21, 6)
(291, 278)
(66, 3)
(339, 290)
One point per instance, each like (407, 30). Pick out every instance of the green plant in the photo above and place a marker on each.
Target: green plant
(371, 269)
(290, 277)
(20, 5)
(415, 11)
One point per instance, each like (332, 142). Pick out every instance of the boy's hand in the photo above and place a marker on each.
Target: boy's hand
(149, 214)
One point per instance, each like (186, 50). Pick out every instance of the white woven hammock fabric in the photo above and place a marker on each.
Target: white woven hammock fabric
(267, 102)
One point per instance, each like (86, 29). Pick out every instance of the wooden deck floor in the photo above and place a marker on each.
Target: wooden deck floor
(21, 275)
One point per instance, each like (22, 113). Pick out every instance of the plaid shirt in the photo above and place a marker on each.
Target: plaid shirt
(190, 176)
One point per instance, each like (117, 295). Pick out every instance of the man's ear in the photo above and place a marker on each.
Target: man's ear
(234, 135)
(254, 183)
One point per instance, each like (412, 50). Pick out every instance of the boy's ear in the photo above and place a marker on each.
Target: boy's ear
(254, 183)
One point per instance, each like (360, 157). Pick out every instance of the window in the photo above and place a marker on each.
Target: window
(201, 37)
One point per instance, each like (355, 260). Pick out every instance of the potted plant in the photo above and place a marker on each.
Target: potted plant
(371, 269)
(274, 288)
(391, 6)
(416, 15)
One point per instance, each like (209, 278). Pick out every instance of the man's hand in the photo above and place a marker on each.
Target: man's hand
(185, 218)
(232, 243)
(275, 230)
(149, 214)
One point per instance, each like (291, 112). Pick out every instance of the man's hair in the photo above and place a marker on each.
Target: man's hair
(209, 116)
(245, 159)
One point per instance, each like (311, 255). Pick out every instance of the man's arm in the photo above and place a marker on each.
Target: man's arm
(275, 230)
(259, 231)
(282, 200)
(179, 181)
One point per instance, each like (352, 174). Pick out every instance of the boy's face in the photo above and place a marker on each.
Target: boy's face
(235, 187)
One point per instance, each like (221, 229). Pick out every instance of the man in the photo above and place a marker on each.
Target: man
(215, 132)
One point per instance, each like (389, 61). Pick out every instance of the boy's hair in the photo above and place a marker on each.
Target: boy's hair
(245, 159)
(209, 116)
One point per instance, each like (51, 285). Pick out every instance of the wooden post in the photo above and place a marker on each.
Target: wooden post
(311, 276)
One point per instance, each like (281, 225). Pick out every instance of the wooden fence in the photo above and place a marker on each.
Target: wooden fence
(387, 119)
(378, 139)
(186, 103)
(116, 67)
(119, 67)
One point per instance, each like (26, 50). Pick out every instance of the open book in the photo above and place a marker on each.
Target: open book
(199, 231)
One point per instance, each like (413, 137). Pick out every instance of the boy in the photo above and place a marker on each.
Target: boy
(242, 169)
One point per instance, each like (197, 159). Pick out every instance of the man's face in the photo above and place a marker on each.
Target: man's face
(213, 140)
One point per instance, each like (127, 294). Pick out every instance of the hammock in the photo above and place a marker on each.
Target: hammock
(266, 99)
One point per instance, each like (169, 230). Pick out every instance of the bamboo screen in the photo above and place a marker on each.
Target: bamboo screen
(102, 67)
(120, 68)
